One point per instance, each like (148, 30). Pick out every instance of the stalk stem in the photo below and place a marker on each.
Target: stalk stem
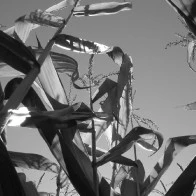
(95, 178)
(136, 176)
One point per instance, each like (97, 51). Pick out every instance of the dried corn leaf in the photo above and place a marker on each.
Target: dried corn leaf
(98, 9)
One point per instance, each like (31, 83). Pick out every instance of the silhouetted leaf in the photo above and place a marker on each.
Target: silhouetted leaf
(185, 183)
(15, 54)
(98, 9)
(173, 147)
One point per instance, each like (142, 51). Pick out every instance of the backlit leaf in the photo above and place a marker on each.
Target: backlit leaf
(98, 9)
(68, 42)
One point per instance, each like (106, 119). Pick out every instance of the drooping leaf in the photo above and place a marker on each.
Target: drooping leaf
(104, 88)
(98, 9)
(126, 143)
(33, 161)
(185, 183)
(186, 9)
(41, 18)
(61, 5)
(16, 54)
(120, 159)
(173, 147)
(68, 42)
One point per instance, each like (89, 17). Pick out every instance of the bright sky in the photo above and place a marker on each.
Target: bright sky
(162, 77)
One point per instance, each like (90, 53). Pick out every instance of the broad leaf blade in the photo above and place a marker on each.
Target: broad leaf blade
(185, 183)
(173, 147)
(33, 161)
(15, 54)
(99, 9)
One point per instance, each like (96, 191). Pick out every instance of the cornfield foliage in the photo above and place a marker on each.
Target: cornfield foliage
(71, 129)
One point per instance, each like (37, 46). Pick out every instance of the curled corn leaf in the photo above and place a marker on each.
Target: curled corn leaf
(173, 147)
(120, 160)
(69, 42)
(99, 9)
(126, 143)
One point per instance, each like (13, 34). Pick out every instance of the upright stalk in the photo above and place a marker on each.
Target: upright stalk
(136, 175)
(95, 179)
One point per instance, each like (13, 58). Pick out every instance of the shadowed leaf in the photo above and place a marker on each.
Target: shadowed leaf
(33, 161)
(98, 9)
(120, 159)
(15, 54)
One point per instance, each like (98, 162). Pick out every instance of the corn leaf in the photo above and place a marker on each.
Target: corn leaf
(120, 160)
(126, 143)
(59, 6)
(68, 42)
(186, 9)
(120, 176)
(33, 161)
(128, 187)
(23, 27)
(15, 54)
(173, 147)
(74, 162)
(41, 18)
(10, 183)
(104, 88)
(185, 183)
(28, 186)
(98, 9)
(50, 81)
